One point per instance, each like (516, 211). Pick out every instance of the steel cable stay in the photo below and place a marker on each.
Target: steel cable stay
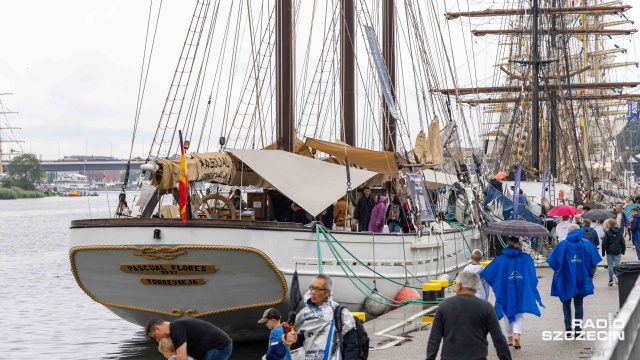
(141, 91)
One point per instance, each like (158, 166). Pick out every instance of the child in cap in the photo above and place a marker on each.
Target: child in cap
(277, 349)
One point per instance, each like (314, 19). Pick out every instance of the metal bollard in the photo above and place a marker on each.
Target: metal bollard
(443, 286)
(430, 291)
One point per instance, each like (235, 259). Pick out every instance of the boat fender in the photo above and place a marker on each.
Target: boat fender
(405, 294)
(373, 306)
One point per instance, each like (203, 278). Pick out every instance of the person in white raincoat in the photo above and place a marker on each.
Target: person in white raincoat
(315, 328)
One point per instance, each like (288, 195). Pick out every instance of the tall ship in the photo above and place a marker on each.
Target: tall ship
(558, 99)
(274, 99)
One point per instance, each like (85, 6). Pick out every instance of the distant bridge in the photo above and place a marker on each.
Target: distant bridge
(86, 165)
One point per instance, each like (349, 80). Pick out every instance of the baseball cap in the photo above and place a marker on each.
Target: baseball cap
(270, 313)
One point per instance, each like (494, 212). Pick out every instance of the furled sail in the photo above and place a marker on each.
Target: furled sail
(298, 147)
(216, 167)
(430, 151)
(378, 161)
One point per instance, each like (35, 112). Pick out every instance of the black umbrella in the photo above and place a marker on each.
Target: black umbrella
(516, 228)
(598, 214)
(294, 297)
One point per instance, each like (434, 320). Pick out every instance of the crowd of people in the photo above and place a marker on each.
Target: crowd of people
(463, 322)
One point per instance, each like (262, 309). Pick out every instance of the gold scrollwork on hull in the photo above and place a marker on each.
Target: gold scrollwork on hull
(179, 250)
(159, 252)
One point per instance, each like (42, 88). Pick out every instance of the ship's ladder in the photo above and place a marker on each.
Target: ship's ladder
(176, 97)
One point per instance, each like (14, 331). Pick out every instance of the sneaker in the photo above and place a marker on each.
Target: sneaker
(610, 283)
(569, 331)
(615, 279)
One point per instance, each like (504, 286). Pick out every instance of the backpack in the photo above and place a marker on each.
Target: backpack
(590, 236)
(394, 212)
(361, 334)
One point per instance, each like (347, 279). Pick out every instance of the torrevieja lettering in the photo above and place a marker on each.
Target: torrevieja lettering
(168, 268)
(173, 282)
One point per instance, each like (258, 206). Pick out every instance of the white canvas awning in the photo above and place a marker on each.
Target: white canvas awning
(311, 183)
(435, 179)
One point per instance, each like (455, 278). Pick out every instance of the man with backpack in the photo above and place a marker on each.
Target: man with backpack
(589, 233)
(395, 215)
(613, 246)
(324, 329)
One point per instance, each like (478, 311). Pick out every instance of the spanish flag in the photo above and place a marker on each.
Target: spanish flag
(183, 184)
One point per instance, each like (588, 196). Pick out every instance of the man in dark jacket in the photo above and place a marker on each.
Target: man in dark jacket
(613, 246)
(462, 323)
(634, 229)
(364, 207)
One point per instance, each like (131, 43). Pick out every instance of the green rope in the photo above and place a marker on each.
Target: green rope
(325, 233)
(319, 252)
(343, 263)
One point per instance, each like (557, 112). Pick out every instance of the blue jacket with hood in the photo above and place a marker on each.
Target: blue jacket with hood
(572, 261)
(512, 277)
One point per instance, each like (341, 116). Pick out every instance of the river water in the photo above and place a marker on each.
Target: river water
(44, 313)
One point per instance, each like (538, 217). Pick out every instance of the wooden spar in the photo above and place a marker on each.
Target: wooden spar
(575, 97)
(284, 76)
(618, 64)
(347, 72)
(587, 10)
(576, 31)
(550, 87)
(389, 56)
(600, 52)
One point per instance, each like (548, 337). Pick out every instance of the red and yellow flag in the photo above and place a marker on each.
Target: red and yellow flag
(183, 184)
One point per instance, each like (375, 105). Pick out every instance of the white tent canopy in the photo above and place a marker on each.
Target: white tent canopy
(435, 179)
(310, 183)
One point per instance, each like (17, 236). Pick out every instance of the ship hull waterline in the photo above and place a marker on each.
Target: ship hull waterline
(228, 272)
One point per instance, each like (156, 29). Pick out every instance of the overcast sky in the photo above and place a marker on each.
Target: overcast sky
(73, 68)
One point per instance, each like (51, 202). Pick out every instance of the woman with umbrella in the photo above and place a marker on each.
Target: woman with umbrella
(512, 277)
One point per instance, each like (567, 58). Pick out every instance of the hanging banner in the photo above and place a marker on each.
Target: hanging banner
(419, 196)
(632, 113)
(381, 69)
(516, 192)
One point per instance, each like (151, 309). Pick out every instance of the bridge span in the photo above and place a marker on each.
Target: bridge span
(51, 166)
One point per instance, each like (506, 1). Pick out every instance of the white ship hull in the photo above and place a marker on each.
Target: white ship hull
(239, 268)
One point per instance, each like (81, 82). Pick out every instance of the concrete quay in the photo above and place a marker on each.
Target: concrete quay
(411, 335)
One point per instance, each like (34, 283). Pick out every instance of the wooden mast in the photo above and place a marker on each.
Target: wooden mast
(347, 71)
(285, 126)
(535, 107)
(389, 56)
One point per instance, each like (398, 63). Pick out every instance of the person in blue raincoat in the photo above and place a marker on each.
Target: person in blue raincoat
(512, 277)
(573, 261)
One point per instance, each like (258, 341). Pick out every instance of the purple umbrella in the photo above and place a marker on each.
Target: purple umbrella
(516, 228)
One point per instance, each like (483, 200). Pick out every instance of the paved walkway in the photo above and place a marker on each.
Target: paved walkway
(597, 306)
